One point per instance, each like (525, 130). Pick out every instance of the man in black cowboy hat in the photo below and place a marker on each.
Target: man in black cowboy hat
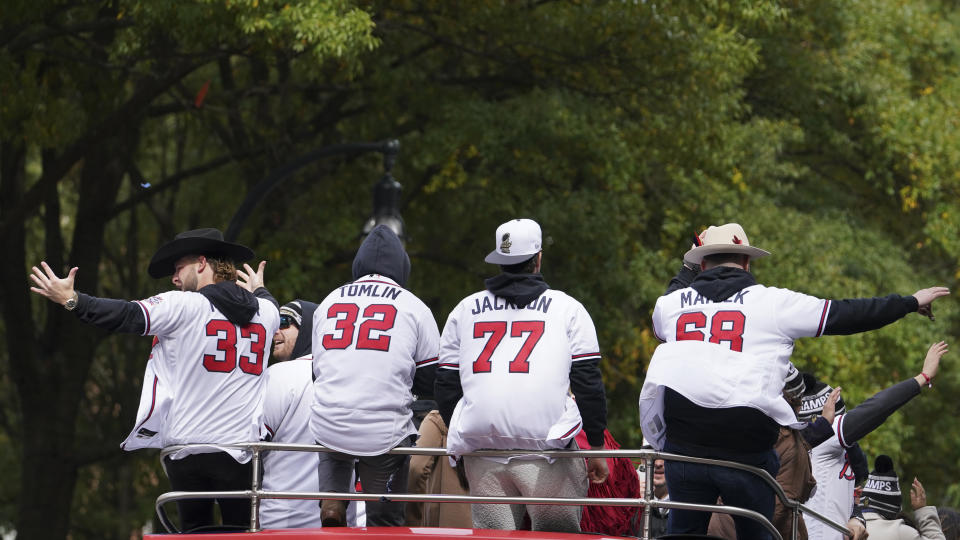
(215, 333)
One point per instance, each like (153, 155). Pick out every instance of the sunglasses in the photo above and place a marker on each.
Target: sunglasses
(286, 321)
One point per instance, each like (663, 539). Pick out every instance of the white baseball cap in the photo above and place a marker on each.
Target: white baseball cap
(517, 240)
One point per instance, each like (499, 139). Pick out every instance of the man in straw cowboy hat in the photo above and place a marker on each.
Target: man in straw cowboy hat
(215, 336)
(713, 388)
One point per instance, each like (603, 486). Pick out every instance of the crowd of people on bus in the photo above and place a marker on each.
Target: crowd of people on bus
(516, 367)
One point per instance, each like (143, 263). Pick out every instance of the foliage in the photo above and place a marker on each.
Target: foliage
(826, 128)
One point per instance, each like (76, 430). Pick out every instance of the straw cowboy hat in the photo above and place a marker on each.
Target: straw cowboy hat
(207, 242)
(729, 238)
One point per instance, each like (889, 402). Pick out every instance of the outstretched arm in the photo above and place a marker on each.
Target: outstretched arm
(874, 411)
(106, 313)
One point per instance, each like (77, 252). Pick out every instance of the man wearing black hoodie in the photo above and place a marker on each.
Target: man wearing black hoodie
(215, 335)
(713, 388)
(509, 356)
(374, 348)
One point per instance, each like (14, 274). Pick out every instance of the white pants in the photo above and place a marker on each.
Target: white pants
(565, 477)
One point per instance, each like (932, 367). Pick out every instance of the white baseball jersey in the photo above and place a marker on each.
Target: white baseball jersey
(727, 354)
(369, 338)
(155, 398)
(286, 416)
(835, 483)
(514, 364)
(216, 370)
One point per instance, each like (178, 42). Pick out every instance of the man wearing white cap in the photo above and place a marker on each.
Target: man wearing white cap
(713, 388)
(509, 355)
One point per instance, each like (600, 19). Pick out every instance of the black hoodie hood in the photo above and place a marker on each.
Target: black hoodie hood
(518, 289)
(382, 253)
(237, 303)
(721, 282)
(304, 344)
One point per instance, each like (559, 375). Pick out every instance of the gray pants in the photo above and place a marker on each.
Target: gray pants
(565, 477)
(377, 474)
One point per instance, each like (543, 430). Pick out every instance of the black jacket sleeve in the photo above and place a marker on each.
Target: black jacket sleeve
(864, 314)
(858, 462)
(110, 314)
(447, 392)
(262, 292)
(817, 431)
(871, 413)
(683, 279)
(424, 380)
(586, 383)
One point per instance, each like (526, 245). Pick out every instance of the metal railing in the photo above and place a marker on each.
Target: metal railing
(255, 494)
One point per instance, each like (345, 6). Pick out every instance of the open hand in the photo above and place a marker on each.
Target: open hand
(249, 279)
(918, 497)
(55, 288)
(830, 406)
(931, 364)
(925, 298)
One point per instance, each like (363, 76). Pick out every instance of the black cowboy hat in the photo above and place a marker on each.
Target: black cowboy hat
(207, 242)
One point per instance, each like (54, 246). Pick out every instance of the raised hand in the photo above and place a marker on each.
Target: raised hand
(925, 298)
(55, 288)
(918, 497)
(931, 364)
(249, 279)
(830, 406)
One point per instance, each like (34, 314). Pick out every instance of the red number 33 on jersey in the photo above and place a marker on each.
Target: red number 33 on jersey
(725, 327)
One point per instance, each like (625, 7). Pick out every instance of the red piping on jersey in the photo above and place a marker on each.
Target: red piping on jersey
(582, 356)
(823, 318)
(153, 403)
(146, 314)
(451, 366)
(572, 431)
(840, 432)
(427, 361)
(272, 432)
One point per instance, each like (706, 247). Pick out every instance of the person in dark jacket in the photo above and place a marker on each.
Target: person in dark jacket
(713, 388)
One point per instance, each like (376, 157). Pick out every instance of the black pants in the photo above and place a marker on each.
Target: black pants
(216, 471)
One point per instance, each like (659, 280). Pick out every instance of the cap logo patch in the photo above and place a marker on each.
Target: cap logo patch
(505, 243)
(737, 240)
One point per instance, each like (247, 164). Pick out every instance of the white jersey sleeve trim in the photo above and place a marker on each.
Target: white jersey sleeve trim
(838, 426)
(455, 367)
(146, 317)
(586, 356)
(823, 318)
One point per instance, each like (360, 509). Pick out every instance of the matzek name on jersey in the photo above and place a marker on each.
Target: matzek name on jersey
(687, 299)
(380, 290)
(500, 304)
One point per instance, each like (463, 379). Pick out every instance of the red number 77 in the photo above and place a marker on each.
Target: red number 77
(498, 329)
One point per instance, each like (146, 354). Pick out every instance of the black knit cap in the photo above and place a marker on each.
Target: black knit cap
(793, 386)
(881, 493)
(815, 394)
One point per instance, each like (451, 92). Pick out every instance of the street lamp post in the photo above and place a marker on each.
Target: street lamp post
(385, 208)
(386, 197)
